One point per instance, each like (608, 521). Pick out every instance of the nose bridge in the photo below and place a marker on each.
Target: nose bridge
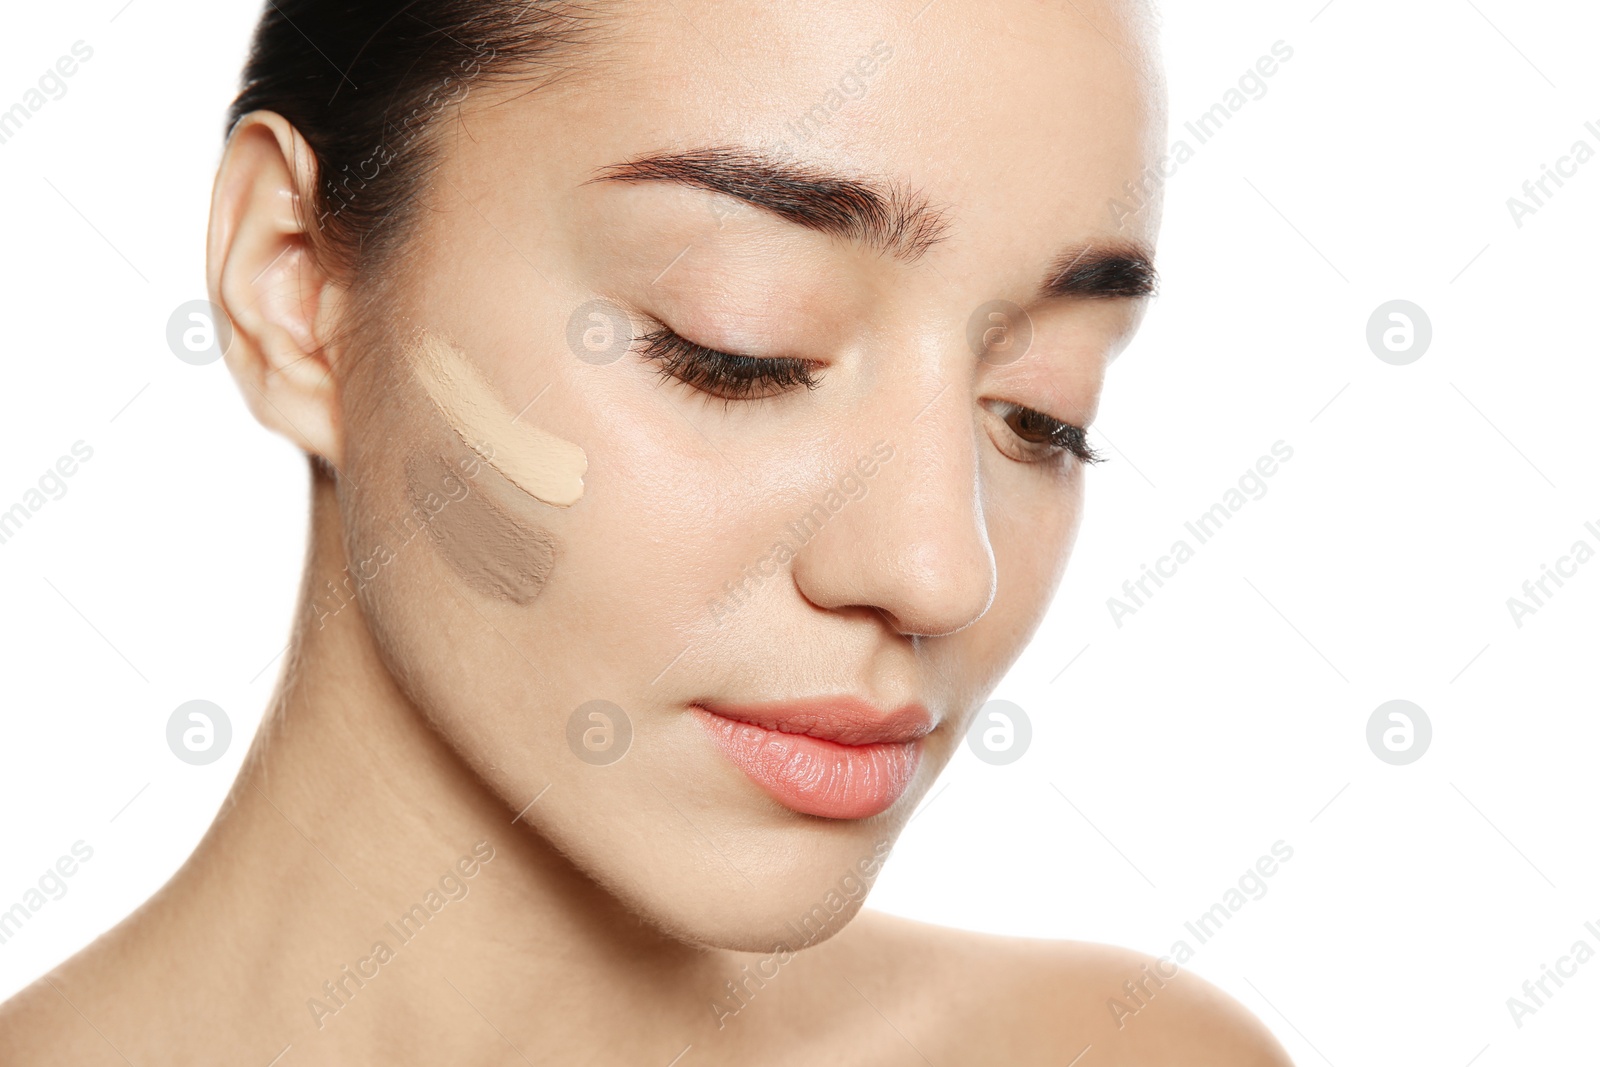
(915, 544)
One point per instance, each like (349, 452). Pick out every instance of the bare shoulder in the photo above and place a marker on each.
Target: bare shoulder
(976, 998)
(39, 1025)
(78, 1012)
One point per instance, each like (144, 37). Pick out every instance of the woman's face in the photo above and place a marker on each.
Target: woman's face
(856, 543)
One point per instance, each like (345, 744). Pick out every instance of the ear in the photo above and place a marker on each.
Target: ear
(262, 271)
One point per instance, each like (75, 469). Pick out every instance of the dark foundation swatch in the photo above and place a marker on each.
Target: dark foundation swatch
(477, 530)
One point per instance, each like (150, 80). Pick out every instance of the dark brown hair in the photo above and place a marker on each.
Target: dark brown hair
(364, 82)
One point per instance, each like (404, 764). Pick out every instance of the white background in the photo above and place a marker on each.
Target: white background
(1227, 714)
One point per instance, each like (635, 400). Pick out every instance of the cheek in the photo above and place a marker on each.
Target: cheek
(665, 525)
(480, 528)
(1033, 522)
(459, 554)
(684, 543)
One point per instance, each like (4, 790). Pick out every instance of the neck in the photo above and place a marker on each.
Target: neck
(333, 882)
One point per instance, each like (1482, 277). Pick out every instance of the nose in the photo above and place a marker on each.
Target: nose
(914, 544)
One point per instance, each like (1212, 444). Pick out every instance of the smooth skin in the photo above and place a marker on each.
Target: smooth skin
(423, 718)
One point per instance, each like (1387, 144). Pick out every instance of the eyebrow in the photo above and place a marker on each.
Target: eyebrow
(891, 219)
(1113, 271)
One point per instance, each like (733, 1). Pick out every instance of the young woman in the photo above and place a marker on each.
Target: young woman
(695, 396)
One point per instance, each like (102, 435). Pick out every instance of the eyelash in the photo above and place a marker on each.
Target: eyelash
(722, 374)
(1053, 433)
(732, 377)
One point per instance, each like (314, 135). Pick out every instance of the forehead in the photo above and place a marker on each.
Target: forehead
(1018, 113)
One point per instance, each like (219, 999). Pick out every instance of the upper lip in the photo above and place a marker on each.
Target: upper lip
(846, 720)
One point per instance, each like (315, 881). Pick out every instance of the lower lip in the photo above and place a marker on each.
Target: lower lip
(813, 776)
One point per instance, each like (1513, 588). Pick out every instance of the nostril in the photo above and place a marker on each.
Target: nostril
(941, 589)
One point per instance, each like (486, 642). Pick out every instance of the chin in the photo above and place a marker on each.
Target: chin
(774, 879)
(780, 912)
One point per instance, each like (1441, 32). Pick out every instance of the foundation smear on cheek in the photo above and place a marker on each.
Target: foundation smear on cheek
(539, 463)
(495, 552)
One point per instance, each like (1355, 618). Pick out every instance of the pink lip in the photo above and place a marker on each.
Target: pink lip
(835, 757)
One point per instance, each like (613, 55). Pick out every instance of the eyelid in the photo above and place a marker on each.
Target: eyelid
(727, 376)
(1067, 438)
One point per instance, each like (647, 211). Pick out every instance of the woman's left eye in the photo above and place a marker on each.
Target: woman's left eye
(723, 374)
(1044, 436)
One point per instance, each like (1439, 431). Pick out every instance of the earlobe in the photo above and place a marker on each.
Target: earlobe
(262, 269)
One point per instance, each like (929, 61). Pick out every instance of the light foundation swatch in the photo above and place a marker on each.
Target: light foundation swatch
(539, 463)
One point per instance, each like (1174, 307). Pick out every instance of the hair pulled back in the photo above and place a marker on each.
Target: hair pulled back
(364, 82)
